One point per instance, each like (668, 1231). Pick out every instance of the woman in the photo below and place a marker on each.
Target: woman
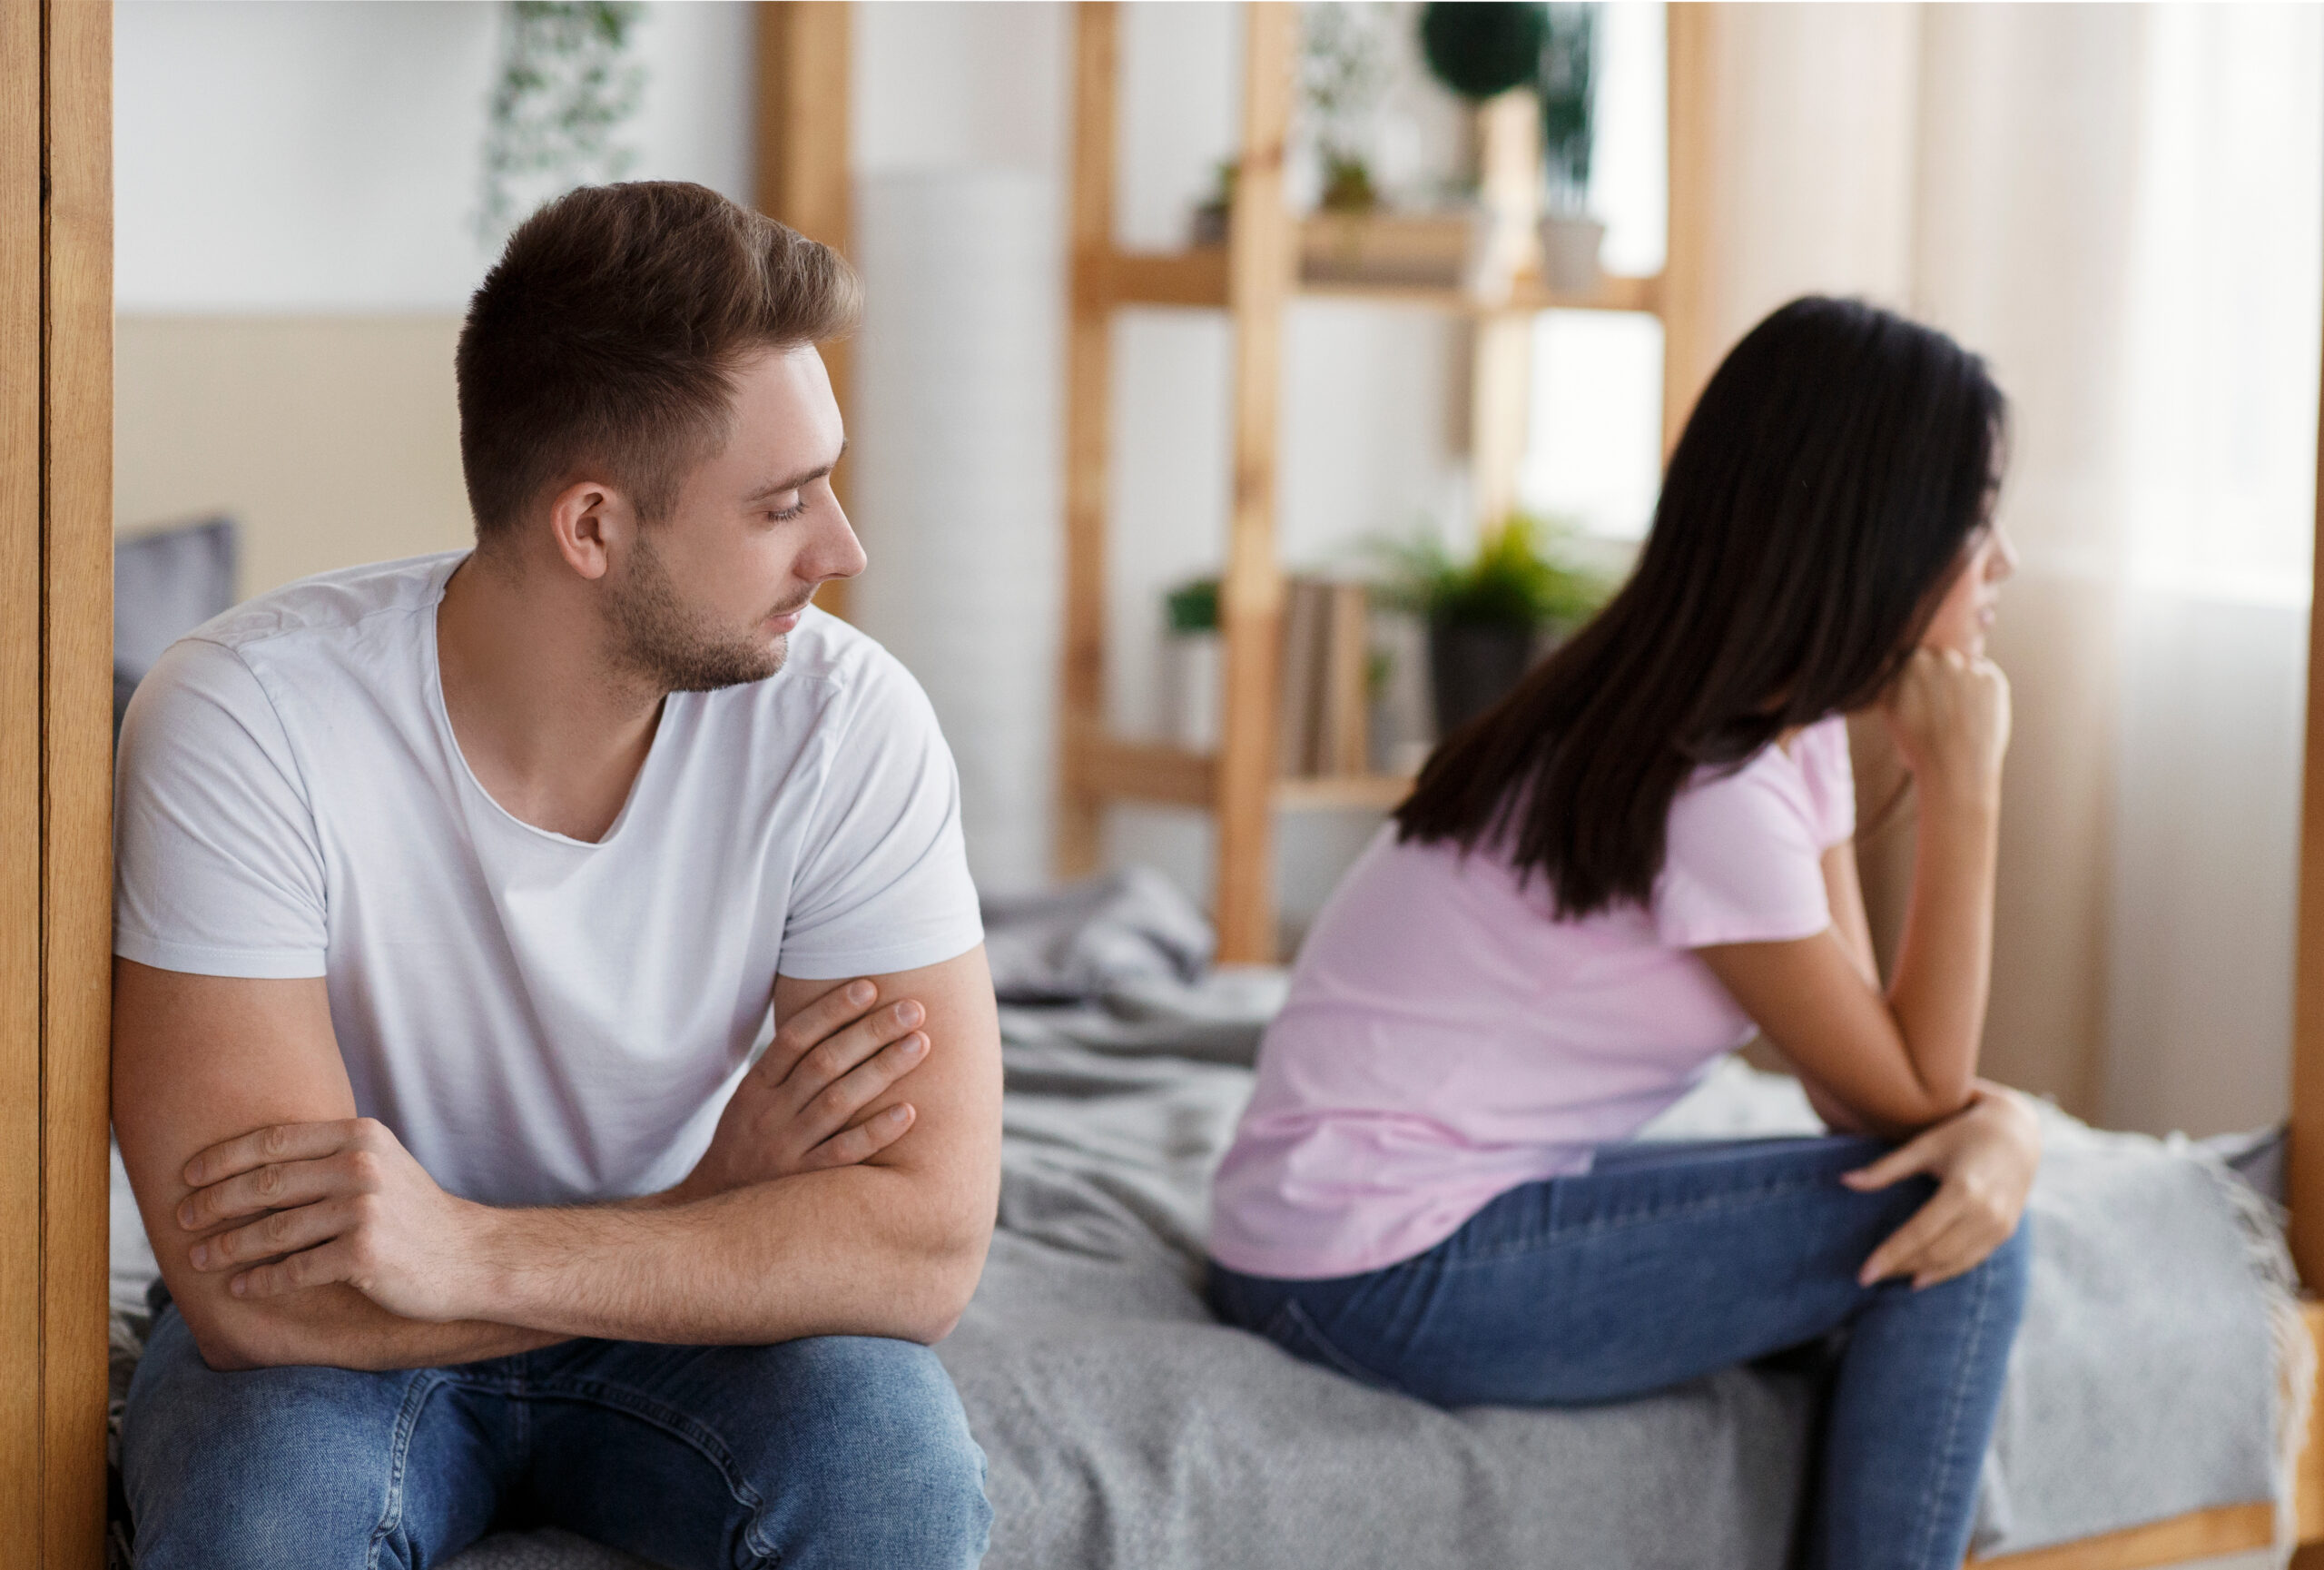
(1636, 861)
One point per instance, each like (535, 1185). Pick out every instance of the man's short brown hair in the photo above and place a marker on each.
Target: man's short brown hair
(605, 337)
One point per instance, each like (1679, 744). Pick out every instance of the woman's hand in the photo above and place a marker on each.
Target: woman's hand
(1983, 1157)
(793, 1111)
(1949, 713)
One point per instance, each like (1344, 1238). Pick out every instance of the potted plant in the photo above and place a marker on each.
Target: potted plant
(1190, 664)
(1484, 52)
(1481, 51)
(1208, 225)
(1571, 237)
(1489, 616)
(1343, 74)
(569, 82)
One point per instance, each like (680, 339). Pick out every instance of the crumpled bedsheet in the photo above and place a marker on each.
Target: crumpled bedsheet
(1127, 1430)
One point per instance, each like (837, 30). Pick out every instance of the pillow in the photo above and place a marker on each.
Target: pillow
(165, 583)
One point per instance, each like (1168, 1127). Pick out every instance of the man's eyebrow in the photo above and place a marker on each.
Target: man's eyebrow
(807, 476)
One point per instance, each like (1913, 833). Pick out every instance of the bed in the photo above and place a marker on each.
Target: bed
(1126, 1428)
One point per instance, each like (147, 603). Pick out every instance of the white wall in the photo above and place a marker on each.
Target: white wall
(304, 159)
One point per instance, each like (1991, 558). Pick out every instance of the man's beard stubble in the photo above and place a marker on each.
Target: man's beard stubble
(660, 639)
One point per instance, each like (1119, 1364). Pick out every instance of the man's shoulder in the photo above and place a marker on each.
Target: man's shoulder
(842, 671)
(331, 603)
(826, 649)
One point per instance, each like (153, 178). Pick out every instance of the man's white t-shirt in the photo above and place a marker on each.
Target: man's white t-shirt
(540, 1020)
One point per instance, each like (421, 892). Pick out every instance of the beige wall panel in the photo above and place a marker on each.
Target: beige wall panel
(331, 440)
(2023, 231)
(1812, 114)
(2045, 1028)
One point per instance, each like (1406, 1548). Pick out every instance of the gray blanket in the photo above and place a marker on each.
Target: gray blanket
(1125, 1429)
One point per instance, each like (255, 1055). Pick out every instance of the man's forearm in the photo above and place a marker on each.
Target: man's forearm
(338, 1327)
(854, 1250)
(851, 1251)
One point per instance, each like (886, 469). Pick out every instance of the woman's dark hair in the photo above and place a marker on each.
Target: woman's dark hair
(1816, 507)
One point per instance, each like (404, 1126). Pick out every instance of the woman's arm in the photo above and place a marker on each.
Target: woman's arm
(1984, 1156)
(1898, 1061)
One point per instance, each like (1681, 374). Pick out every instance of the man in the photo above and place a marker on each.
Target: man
(453, 896)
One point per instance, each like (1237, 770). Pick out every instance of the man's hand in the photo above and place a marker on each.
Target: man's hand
(338, 1202)
(1983, 1157)
(794, 1111)
(344, 1201)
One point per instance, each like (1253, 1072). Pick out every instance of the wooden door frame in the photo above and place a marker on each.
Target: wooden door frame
(2306, 1176)
(55, 773)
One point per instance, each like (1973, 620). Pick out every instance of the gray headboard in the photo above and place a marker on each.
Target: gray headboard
(165, 583)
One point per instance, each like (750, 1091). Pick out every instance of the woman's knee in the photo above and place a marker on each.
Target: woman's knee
(2008, 1270)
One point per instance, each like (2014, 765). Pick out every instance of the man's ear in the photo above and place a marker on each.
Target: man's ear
(589, 519)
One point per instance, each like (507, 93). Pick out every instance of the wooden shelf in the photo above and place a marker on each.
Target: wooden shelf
(1147, 772)
(1197, 278)
(1642, 295)
(1193, 278)
(1272, 258)
(1366, 793)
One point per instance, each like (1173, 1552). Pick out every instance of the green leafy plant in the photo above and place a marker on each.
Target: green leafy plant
(1343, 74)
(1517, 579)
(566, 87)
(1347, 184)
(1480, 51)
(1192, 606)
(1567, 74)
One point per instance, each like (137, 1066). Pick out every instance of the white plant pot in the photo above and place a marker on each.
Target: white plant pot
(1191, 672)
(1569, 254)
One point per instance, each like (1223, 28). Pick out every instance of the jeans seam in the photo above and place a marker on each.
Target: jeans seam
(1340, 1361)
(1952, 1427)
(680, 1426)
(415, 1399)
(1708, 1204)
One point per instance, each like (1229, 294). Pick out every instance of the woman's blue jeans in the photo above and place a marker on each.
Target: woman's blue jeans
(837, 1451)
(1666, 1262)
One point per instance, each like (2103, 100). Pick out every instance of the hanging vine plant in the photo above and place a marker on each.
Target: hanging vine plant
(568, 86)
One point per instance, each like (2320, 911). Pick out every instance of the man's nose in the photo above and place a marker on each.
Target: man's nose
(836, 552)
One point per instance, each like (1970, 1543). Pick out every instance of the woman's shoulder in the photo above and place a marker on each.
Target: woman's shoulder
(1828, 776)
(1742, 861)
(1802, 794)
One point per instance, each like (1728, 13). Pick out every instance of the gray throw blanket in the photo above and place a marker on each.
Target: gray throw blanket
(1126, 1428)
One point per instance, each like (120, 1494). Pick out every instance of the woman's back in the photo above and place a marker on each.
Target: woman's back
(1447, 1038)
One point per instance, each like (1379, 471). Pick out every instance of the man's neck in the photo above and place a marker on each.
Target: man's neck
(550, 728)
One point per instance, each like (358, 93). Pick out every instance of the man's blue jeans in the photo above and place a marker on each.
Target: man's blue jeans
(837, 1451)
(1666, 1262)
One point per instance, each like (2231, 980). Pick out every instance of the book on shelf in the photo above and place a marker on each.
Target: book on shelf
(1324, 718)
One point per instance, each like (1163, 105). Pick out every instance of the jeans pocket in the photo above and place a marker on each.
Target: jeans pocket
(1294, 1330)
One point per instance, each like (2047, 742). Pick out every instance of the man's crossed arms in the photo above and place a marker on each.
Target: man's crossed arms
(291, 1230)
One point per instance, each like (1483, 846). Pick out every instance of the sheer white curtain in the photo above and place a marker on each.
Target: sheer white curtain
(2121, 208)
(2219, 405)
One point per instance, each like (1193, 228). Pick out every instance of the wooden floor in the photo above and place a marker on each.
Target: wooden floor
(2205, 1533)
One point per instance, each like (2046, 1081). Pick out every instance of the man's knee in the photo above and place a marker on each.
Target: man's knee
(886, 1472)
(287, 1467)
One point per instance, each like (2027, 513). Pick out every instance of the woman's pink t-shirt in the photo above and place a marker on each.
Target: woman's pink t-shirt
(1447, 1038)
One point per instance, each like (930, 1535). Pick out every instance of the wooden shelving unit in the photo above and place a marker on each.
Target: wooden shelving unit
(804, 166)
(1254, 277)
